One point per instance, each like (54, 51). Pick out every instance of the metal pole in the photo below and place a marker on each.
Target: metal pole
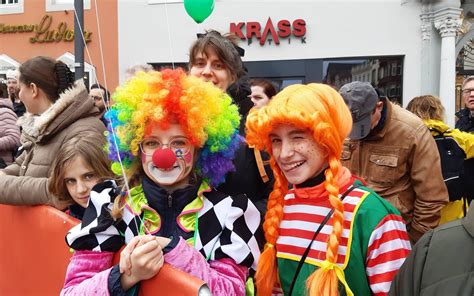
(78, 39)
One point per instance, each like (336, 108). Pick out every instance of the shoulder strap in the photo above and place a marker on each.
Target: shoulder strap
(432, 129)
(306, 252)
(260, 165)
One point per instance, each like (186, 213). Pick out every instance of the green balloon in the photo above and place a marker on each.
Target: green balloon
(199, 10)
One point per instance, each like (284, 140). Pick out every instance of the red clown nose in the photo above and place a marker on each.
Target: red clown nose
(164, 158)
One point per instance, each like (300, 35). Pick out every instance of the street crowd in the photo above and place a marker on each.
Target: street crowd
(308, 190)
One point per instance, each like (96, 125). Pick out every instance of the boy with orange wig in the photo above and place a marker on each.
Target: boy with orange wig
(328, 234)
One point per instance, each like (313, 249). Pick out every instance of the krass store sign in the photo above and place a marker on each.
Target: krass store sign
(284, 29)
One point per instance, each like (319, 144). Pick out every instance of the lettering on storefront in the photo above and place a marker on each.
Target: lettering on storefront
(43, 31)
(284, 30)
(6, 68)
(16, 28)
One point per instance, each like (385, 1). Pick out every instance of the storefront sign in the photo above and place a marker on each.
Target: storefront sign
(43, 31)
(284, 29)
(6, 68)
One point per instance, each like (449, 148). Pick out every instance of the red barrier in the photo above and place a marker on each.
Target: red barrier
(34, 256)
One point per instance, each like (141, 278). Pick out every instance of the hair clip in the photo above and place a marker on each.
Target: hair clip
(240, 50)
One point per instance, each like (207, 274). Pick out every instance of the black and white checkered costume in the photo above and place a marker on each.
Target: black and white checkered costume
(227, 226)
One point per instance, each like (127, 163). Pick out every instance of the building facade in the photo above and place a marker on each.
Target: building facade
(46, 27)
(405, 48)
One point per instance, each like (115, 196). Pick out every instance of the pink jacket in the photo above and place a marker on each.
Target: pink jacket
(88, 271)
(9, 131)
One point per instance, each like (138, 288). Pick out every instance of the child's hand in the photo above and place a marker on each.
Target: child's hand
(125, 264)
(146, 261)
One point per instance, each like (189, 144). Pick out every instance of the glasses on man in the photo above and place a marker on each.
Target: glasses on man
(467, 91)
(179, 146)
(96, 98)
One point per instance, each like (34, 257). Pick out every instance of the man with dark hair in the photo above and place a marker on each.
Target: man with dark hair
(396, 155)
(466, 115)
(13, 90)
(466, 124)
(101, 97)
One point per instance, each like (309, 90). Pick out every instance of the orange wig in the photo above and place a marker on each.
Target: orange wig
(320, 109)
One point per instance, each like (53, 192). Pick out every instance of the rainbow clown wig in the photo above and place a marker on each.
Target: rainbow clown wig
(206, 114)
(319, 109)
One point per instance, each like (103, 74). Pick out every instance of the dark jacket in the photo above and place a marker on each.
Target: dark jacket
(246, 178)
(441, 263)
(19, 109)
(466, 124)
(169, 206)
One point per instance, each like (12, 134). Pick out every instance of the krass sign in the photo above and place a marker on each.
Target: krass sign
(283, 29)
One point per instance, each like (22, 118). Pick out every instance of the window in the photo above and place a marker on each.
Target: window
(11, 6)
(394, 69)
(60, 5)
(381, 72)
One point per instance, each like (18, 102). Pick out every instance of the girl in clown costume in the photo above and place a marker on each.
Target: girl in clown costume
(176, 136)
(328, 234)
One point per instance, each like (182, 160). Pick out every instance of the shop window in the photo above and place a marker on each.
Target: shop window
(11, 6)
(284, 82)
(384, 73)
(60, 5)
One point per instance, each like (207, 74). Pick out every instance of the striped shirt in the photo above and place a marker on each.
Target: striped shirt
(387, 246)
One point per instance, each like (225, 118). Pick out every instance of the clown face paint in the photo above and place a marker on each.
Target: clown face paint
(177, 175)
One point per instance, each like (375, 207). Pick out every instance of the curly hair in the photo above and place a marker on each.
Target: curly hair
(205, 113)
(320, 109)
(426, 107)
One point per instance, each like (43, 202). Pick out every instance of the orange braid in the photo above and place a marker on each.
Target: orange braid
(266, 275)
(325, 282)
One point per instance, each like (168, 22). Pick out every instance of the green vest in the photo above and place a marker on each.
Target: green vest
(370, 210)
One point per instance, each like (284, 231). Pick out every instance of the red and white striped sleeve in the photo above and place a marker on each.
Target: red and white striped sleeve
(389, 245)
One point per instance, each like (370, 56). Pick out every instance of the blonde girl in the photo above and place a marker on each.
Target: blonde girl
(80, 164)
(363, 241)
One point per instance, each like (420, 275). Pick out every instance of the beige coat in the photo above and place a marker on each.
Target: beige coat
(26, 180)
(401, 163)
